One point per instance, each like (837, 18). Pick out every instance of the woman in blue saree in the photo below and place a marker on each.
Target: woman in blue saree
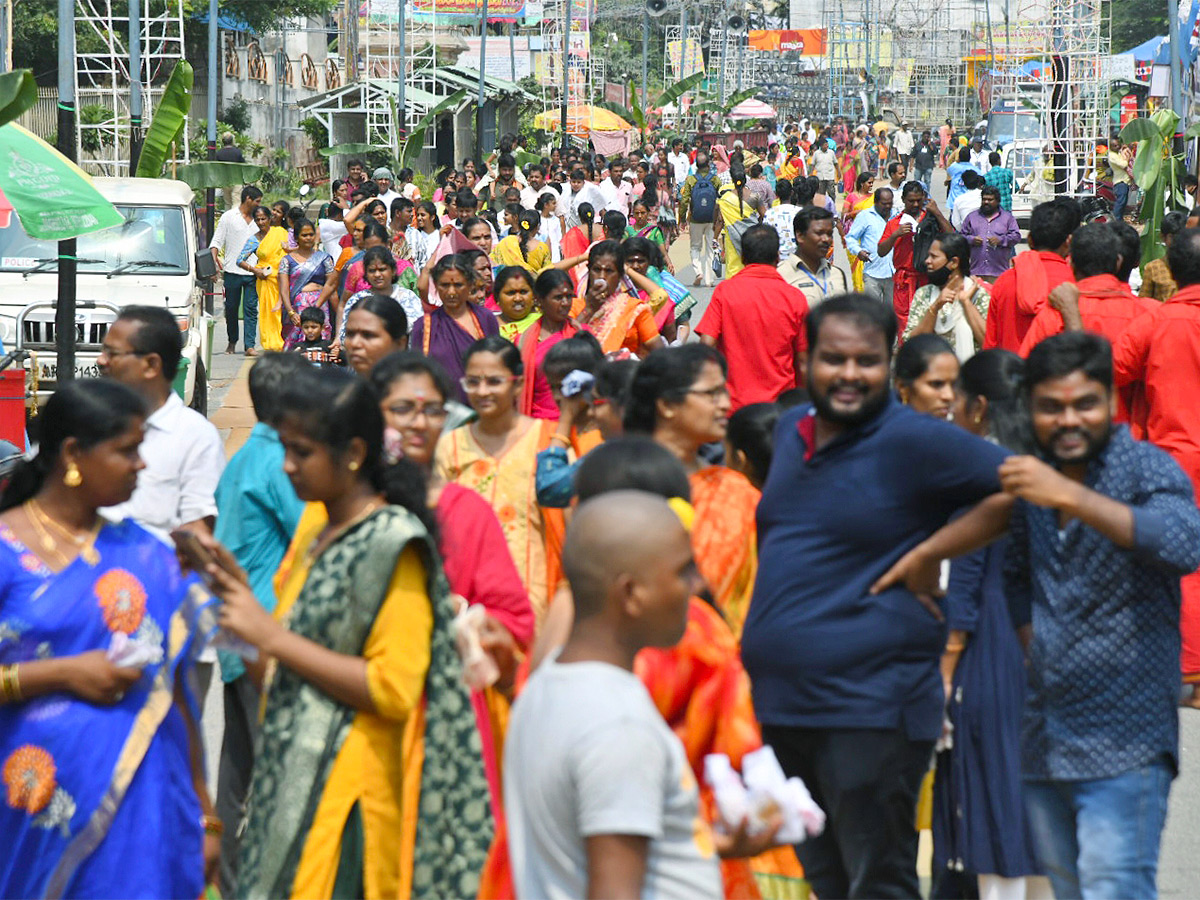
(103, 787)
(307, 277)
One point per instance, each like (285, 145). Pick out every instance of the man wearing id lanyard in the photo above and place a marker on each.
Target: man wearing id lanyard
(808, 269)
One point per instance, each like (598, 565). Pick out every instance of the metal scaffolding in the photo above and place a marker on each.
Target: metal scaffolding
(102, 79)
(1050, 65)
(379, 35)
(910, 58)
(585, 69)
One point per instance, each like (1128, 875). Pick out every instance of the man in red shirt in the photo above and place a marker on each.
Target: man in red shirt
(1098, 302)
(1161, 351)
(1020, 293)
(756, 319)
(897, 238)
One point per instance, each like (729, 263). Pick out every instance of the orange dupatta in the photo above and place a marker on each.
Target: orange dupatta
(612, 323)
(724, 538)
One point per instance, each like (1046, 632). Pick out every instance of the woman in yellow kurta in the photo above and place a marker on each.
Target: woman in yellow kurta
(268, 247)
(496, 456)
(365, 713)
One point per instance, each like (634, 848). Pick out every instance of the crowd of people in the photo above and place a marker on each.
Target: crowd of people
(519, 541)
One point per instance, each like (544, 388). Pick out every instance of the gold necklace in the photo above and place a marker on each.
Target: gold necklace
(86, 545)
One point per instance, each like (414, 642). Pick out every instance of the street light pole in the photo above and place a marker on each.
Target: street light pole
(482, 67)
(645, 54)
(64, 311)
(210, 195)
(401, 77)
(566, 91)
(135, 85)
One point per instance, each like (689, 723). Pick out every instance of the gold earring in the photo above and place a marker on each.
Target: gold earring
(978, 418)
(73, 478)
(353, 467)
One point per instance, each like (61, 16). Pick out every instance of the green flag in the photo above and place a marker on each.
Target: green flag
(54, 198)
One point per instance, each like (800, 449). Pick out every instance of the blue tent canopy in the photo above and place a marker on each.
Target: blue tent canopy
(1156, 50)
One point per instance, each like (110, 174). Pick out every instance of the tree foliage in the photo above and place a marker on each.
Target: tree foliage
(1136, 21)
(35, 27)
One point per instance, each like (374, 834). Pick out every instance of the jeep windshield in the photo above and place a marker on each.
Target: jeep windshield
(152, 240)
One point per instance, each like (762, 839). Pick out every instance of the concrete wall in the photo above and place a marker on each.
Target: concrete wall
(274, 113)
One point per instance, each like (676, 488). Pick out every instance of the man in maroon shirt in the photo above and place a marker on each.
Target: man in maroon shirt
(1020, 293)
(756, 319)
(897, 237)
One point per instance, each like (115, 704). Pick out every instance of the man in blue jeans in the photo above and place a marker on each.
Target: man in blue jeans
(1102, 530)
(233, 229)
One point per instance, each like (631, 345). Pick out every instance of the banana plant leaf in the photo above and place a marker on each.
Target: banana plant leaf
(214, 174)
(416, 140)
(1138, 130)
(18, 92)
(635, 109)
(1193, 131)
(678, 89)
(166, 128)
(734, 100)
(349, 150)
(1147, 166)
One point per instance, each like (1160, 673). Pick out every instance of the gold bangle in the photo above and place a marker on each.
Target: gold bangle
(212, 826)
(10, 683)
(566, 441)
(955, 646)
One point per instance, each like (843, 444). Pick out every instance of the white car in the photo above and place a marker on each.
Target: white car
(150, 259)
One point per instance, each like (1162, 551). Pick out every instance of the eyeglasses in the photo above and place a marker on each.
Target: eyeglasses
(713, 394)
(407, 411)
(115, 354)
(472, 383)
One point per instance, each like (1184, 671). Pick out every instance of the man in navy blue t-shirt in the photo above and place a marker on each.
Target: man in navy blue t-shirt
(846, 684)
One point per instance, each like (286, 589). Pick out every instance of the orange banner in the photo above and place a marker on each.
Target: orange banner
(806, 42)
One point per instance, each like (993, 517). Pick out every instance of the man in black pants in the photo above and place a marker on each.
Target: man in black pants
(845, 683)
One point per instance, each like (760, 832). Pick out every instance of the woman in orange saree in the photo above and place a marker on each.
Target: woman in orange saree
(617, 320)
(680, 398)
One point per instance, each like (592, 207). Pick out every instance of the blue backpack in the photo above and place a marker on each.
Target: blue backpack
(704, 199)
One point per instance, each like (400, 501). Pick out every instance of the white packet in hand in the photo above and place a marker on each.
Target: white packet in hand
(128, 652)
(479, 669)
(773, 794)
(733, 804)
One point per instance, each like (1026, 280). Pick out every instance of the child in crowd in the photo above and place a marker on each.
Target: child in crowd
(314, 348)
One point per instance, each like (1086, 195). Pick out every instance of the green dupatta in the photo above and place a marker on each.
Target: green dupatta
(304, 729)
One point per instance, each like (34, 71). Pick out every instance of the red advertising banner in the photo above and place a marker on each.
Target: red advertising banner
(806, 42)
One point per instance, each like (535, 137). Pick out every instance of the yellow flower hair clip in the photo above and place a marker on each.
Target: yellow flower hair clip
(685, 511)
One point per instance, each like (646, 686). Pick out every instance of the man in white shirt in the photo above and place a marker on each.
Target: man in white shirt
(383, 180)
(617, 192)
(969, 200)
(536, 187)
(979, 157)
(332, 229)
(825, 166)
(234, 228)
(903, 143)
(680, 164)
(182, 451)
(582, 191)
